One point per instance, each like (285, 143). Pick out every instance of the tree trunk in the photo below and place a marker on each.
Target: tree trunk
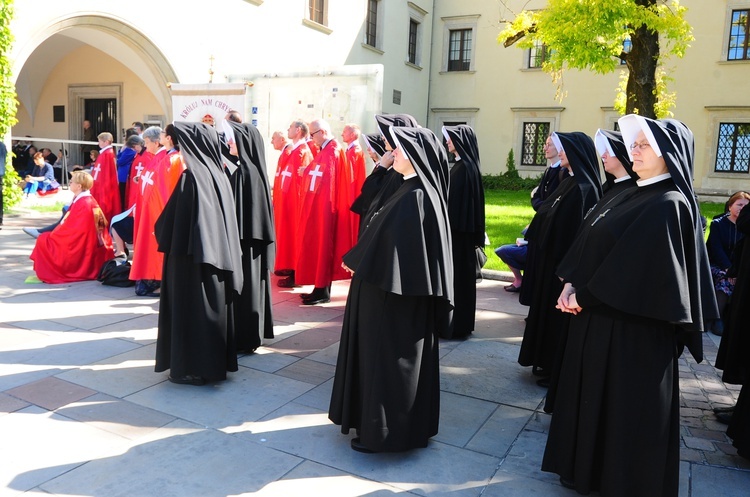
(642, 61)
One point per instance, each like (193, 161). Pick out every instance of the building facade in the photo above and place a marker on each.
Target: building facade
(341, 60)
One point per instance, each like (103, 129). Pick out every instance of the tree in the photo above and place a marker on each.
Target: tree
(592, 35)
(11, 192)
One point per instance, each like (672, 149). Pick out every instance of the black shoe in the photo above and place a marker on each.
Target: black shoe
(723, 417)
(188, 379)
(543, 382)
(321, 300)
(317, 294)
(537, 371)
(567, 483)
(718, 410)
(357, 445)
(284, 272)
(287, 282)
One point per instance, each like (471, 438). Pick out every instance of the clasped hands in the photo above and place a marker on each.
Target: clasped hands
(567, 302)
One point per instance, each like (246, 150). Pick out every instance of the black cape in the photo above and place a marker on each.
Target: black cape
(202, 276)
(466, 213)
(386, 384)
(253, 313)
(550, 234)
(620, 359)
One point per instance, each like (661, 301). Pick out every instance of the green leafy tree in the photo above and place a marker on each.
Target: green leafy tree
(591, 35)
(11, 191)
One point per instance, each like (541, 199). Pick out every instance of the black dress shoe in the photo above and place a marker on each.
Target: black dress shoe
(723, 417)
(317, 294)
(284, 272)
(717, 410)
(567, 483)
(357, 445)
(321, 300)
(287, 282)
(543, 382)
(188, 379)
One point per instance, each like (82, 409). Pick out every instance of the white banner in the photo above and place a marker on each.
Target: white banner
(204, 102)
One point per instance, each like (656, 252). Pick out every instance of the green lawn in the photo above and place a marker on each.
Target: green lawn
(508, 212)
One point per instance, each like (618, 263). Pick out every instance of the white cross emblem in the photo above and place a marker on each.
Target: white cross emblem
(146, 178)
(317, 172)
(138, 170)
(285, 174)
(96, 170)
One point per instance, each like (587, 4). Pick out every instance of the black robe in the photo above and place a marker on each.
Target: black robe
(202, 276)
(386, 384)
(370, 189)
(466, 213)
(253, 315)
(641, 277)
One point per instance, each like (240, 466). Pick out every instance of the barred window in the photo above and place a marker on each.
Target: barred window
(413, 31)
(532, 146)
(372, 23)
(733, 150)
(537, 55)
(459, 50)
(738, 36)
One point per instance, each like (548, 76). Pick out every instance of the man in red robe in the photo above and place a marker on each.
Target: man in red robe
(106, 189)
(280, 143)
(157, 182)
(355, 157)
(78, 247)
(286, 203)
(323, 234)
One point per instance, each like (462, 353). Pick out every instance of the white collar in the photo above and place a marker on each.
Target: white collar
(622, 178)
(352, 145)
(655, 179)
(556, 164)
(86, 193)
(410, 176)
(105, 148)
(297, 143)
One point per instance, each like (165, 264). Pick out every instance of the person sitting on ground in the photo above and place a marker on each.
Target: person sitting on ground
(82, 231)
(42, 178)
(721, 244)
(514, 256)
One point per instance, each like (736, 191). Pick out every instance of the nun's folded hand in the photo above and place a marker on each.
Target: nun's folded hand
(347, 268)
(567, 301)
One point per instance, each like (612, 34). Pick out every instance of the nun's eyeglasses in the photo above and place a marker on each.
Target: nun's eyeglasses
(639, 146)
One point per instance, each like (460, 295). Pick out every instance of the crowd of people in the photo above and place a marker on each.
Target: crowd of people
(616, 273)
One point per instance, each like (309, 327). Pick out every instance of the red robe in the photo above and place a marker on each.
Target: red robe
(133, 190)
(106, 190)
(286, 206)
(355, 156)
(158, 180)
(279, 167)
(323, 237)
(313, 148)
(77, 248)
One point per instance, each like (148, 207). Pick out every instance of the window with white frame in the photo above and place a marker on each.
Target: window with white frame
(414, 41)
(372, 23)
(459, 49)
(739, 32)
(733, 148)
(318, 11)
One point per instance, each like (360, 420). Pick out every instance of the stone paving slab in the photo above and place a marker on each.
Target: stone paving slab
(112, 426)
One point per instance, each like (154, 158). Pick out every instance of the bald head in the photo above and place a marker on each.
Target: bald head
(320, 131)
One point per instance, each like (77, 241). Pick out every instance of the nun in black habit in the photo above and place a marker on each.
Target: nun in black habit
(620, 184)
(253, 317)
(386, 384)
(198, 234)
(392, 179)
(550, 234)
(466, 213)
(374, 180)
(639, 291)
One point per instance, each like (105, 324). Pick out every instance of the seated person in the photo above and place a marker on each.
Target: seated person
(721, 245)
(42, 178)
(514, 255)
(75, 249)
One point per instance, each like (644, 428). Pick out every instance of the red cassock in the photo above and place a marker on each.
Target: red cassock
(356, 159)
(133, 190)
(286, 206)
(77, 248)
(313, 148)
(280, 167)
(158, 180)
(323, 239)
(106, 190)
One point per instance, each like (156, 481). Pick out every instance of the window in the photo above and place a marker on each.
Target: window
(532, 145)
(627, 46)
(738, 35)
(318, 11)
(371, 32)
(459, 50)
(733, 150)
(537, 55)
(412, 52)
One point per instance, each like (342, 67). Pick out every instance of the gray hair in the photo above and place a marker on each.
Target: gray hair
(133, 141)
(153, 133)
